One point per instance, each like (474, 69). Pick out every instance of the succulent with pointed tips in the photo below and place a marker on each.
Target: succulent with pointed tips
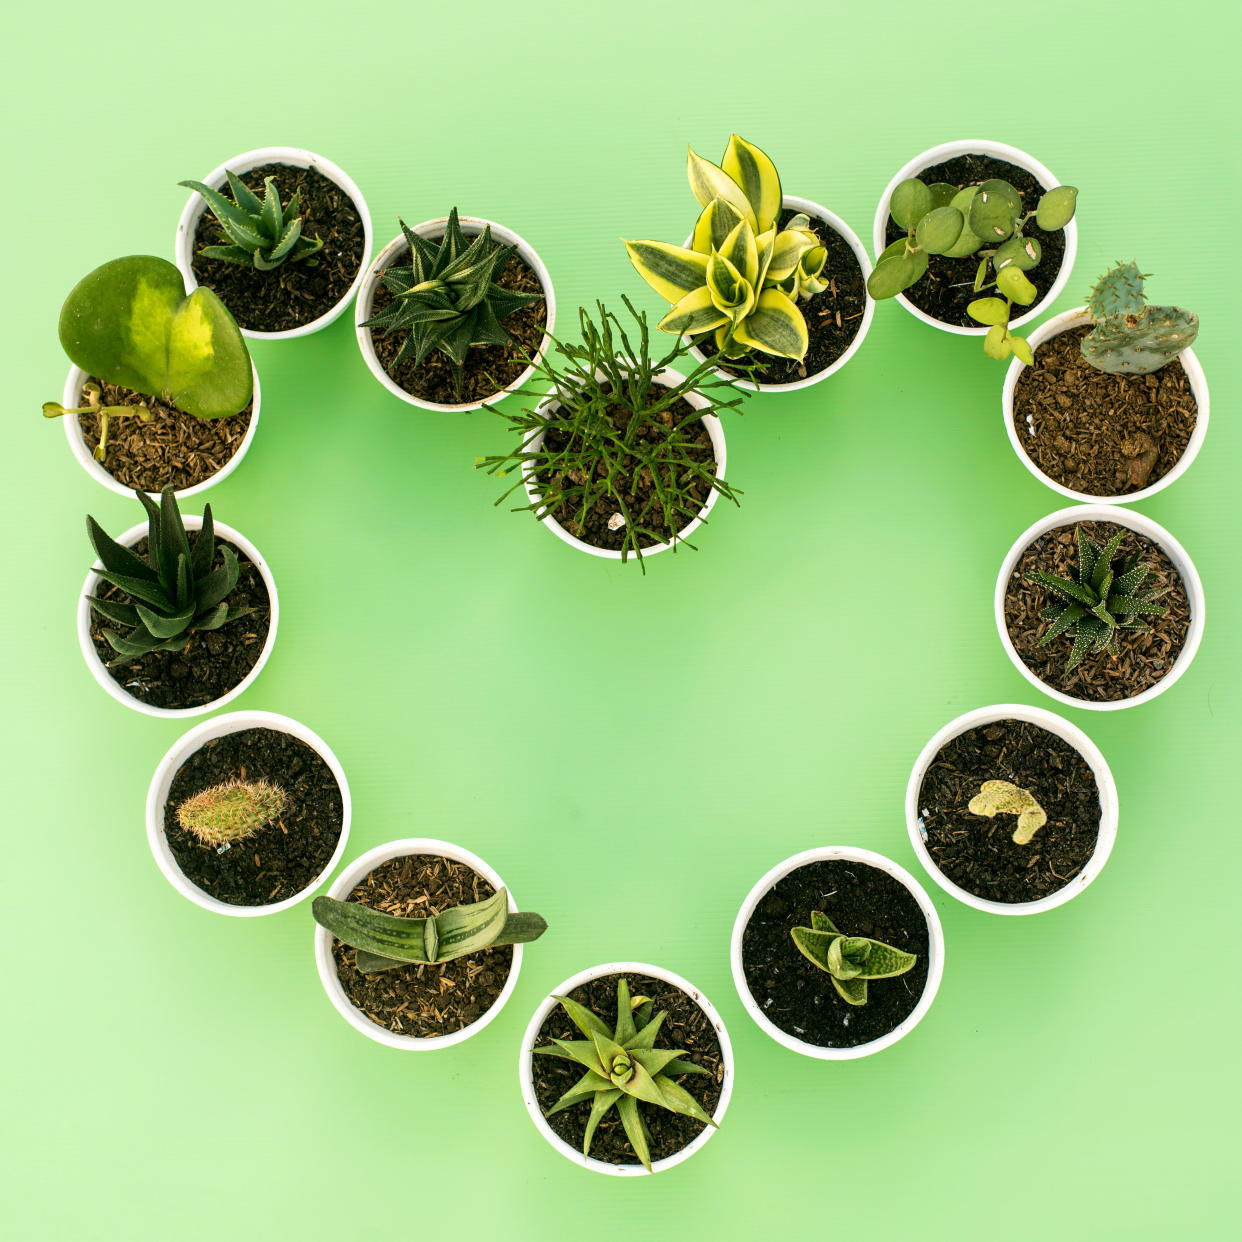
(1127, 336)
(850, 961)
(1004, 798)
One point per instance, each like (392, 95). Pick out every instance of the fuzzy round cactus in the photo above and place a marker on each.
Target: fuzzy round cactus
(1128, 337)
(229, 812)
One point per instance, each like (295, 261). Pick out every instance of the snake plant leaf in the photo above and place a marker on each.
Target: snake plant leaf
(467, 929)
(788, 248)
(731, 292)
(752, 169)
(694, 314)
(707, 182)
(716, 221)
(775, 326)
(635, 1129)
(740, 249)
(361, 927)
(909, 202)
(672, 271)
(989, 311)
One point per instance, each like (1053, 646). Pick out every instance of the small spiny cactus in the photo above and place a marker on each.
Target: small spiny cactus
(229, 812)
(1128, 337)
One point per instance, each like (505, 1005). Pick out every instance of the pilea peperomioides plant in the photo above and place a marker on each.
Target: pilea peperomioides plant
(850, 961)
(1127, 336)
(623, 1069)
(231, 811)
(1005, 798)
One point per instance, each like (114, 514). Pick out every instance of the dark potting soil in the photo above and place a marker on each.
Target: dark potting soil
(1143, 658)
(687, 1028)
(793, 993)
(488, 369)
(292, 294)
(171, 449)
(1098, 433)
(210, 664)
(948, 285)
(833, 316)
(424, 1000)
(280, 859)
(977, 853)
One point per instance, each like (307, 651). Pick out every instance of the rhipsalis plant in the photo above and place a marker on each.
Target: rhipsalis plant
(611, 420)
(1127, 336)
(1003, 798)
(741, 276)
(624, 1068)
(1103, 598)
(231, 812)
(384, 940)
(261, 233)
(851, 961)
(987, 220)
(449, 298)
(174, 592)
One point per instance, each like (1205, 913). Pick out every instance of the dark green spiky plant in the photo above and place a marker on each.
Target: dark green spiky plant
(1103, 598)
(262, 234)
(612, 419)
(449, 298)
(849, 961)
(176, 591)
(623, 1069)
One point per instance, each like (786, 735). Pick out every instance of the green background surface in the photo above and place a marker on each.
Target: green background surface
(631, 754)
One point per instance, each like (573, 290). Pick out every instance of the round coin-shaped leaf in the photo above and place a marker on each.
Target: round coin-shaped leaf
(1015, 286)
(1056, 208)
(890, 276)
(992, 212)
(990, 311)
(1020, 252)
(910, 202)
(942, 193)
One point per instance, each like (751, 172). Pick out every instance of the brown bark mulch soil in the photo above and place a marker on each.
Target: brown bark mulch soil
(210, 664)
(293, 294)
(687, 1027)
(280, 859)
(1143, 659)
(172, 449)
(793, 993)
(1097, 433)
(948, 286)
(977, 853)
(424, 1000)
(833, 316)
(488, 369)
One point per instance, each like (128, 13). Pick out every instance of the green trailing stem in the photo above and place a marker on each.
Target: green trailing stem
(1127, 336)
(92, 392)
(1004, 798)
(231, 811)
(849, 961)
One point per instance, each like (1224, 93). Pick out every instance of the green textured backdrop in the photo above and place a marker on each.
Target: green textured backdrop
(176, 1074)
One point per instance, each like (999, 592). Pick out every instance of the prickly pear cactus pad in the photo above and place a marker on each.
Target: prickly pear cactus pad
(1129, 337)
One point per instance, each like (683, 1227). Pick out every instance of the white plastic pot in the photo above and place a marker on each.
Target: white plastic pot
(345, 884)
(395, 252)
(72, 399)
(715, 431)
(114, 688)
(1078, 318)
(1052, 724)
(935, 954)
(792, 203)
(187, 745)
(1143, 526)
(296, 157)
(999, 151)
(526, 1060)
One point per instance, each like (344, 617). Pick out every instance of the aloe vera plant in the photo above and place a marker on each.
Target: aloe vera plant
(624, 1069)
(1005, 798)
(1127, 336)
(850, 961)
(231, 811)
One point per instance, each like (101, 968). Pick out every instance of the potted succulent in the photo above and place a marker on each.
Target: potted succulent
(162, 391)
(837, 953)
(771, 287)
(1099, 607)
(625, 456)
(419, 944)
(626, 1069)
(282, 235)
(174, 626)
(1114, 404)
(454, 312)
(1011, 809)
(248, 813)
(965, 217)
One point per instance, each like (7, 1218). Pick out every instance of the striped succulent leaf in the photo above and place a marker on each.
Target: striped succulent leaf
(849, 961)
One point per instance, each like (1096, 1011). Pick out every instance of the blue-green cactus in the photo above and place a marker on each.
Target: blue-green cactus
(1128, 337)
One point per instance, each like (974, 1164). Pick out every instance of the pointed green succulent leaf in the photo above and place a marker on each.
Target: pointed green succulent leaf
(753, 172)
(635, 1131)
(852, 991)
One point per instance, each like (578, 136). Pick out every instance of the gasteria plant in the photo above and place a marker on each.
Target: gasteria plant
(1100, 600)
(231, 811)
(1004, 798)
(176, 591)
(384, 940)
(623, 1069)
(1127, 336)
(261, 233)
(850, 961)
(449, 297)
(741, 277)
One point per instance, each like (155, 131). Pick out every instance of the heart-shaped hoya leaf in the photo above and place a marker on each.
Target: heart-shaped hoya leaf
(130, 323)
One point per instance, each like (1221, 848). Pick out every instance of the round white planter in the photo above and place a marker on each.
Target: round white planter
(527, 1082)
(114, 688)
(72, 399)
(1143, 526)
(1077, 318)
(1000, 151)
(187, 745)
(935, 963)
(296, 157)
(395, 251)
(1053, 724)
(715, 431)
(792, 203)
(345, 883)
